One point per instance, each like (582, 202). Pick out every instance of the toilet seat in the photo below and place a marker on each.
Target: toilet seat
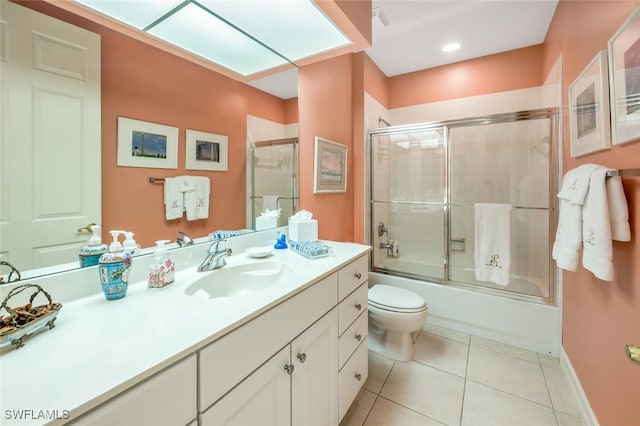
(395, 299)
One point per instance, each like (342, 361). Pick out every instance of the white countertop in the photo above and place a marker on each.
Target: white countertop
(100, 348)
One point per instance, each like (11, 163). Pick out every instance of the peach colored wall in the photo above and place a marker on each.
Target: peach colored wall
(375, 82)
(325, 107)
(468, 78)
(599, 317)
(146, 83)
(358, 151)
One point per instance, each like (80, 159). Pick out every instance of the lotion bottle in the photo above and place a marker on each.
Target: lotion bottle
(90, 254)
(162, 270)
(114, 267)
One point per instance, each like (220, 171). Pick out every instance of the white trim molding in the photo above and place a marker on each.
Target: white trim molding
(586, 413)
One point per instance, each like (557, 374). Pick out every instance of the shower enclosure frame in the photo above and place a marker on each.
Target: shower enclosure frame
(447, 125)
(251, 165)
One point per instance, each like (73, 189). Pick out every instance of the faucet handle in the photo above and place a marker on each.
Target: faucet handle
(184, 239)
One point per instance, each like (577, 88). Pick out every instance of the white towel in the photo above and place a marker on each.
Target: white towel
(493, 243)
(173, 199)
(185, 183)
(575, 185)
(604, 212)
(269, 202)
(618, 210)
(196, 202)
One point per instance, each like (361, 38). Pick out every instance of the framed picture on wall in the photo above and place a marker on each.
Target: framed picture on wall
(144, 144)
(330, 166)
(206, 151)
(624, 73)
(589, 108)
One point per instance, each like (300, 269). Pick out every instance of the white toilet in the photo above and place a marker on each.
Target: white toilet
(396, 315)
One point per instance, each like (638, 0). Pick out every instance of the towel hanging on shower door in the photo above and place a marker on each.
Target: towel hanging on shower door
(493, 243)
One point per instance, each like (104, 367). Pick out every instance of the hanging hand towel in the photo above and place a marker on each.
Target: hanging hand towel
(493, 243)
(575, 185)
(185, 183)
(269, 202)
(597, 256)
(618, 210)
(196, 202)
(173, 199)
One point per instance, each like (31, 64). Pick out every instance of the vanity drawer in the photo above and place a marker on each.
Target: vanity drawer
(352, 275)
(351, 338)
(352, 377)
(351, 307)
(225, 362)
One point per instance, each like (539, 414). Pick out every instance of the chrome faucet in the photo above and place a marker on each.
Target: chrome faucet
(184, 239)
(215, 258)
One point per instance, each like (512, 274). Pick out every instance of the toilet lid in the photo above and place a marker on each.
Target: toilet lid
(395, 298)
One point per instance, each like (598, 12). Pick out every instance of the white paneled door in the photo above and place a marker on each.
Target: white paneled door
(49, 137)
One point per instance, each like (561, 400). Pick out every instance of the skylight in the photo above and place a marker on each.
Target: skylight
(245, 36)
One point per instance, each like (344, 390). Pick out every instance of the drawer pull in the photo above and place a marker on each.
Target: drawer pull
(358, 376)
(289, 369)
(358, 306)
(358, 275)
(302, 357)
(358, 337)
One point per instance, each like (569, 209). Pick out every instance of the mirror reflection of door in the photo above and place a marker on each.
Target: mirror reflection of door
(274, 178)
(50, 143)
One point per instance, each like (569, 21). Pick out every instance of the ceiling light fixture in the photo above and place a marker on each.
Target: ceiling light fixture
(451, 47)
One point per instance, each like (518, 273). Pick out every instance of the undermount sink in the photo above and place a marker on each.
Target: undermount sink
(238, 280)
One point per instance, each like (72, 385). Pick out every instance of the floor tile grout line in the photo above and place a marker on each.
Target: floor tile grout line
(546, 384)
(511, 394)
(464, 388)
(409, 408)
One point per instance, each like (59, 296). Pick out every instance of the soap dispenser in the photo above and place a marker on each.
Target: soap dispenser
(162, 271)
(113, 267)
(129, 244)
(90, 254)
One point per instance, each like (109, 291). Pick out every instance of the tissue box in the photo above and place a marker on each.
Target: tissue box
(303, 230)
(265, 222)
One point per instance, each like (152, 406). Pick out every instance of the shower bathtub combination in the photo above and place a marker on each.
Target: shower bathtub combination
(426, 179)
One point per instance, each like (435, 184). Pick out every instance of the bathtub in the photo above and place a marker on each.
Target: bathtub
(522, 323)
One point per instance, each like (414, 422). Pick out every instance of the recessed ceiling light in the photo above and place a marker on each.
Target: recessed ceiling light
(450, 47)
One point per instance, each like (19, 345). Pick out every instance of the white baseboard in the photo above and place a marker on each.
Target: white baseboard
(586, 413)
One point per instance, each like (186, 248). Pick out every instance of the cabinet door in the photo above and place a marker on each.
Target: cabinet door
(168, 398)
(262, 399)
(314, 383)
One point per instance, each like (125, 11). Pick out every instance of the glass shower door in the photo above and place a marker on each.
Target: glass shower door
(274, 178)
(408, 209)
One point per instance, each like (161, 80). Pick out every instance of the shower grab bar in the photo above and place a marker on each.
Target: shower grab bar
(624, 172)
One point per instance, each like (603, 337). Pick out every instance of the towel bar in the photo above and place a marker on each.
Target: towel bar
(633, 353)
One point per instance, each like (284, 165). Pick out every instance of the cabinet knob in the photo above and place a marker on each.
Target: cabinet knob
(302, 357)
(358, 376)
(358, 275)
(358, 306)
(358, 337)
(289, 369)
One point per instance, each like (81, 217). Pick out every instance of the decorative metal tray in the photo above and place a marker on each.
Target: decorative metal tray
(24, 320)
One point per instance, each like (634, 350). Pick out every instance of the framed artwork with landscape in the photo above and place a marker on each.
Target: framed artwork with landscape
(589, 108)
(145, 144)
(330, 166)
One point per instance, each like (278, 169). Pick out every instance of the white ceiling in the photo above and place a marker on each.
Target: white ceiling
(417, 29)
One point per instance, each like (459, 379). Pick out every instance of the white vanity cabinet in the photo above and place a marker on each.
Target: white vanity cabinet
(353, 330)
(302, 372)
(167, 398)
(297, 386)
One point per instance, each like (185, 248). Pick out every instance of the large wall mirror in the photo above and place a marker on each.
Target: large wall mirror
(60, 174)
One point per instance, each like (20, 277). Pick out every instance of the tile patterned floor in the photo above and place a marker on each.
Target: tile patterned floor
(458, 379)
